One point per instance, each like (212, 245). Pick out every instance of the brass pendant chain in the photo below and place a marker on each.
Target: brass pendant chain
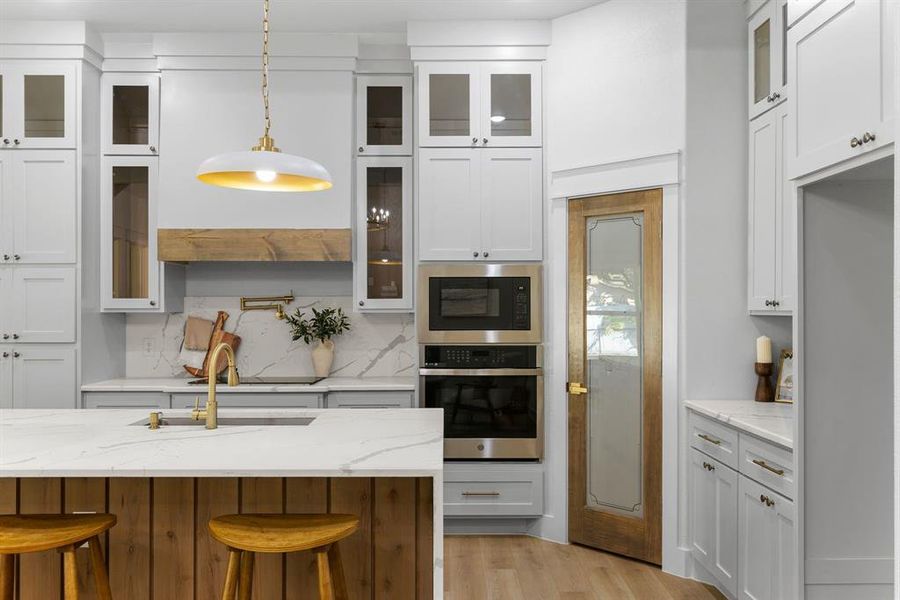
(266, 142)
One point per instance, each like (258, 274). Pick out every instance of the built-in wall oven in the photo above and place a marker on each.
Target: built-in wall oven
(479, 303)
(492, 396)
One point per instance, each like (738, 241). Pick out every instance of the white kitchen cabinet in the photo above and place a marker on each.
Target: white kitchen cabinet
(767, 76)
(250, 400)
(384, 115)
(384, 220)
(38, 207)
(841, 64)
(370, 399)
(771, 221)
(38, 105)
(797, 9)
(493, 490)
(767, 565)
(6, 388)
(130, 113)
(150, 400)
(132, 279)
(41, 376)
(41, 305)
(479, 104)
(499, 188)
(714, 518)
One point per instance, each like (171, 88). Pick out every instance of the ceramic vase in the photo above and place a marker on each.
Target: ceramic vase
(322, 357)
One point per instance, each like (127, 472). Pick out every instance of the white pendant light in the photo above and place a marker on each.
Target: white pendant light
(264, 167)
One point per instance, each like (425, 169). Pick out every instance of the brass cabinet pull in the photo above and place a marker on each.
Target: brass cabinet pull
(711, 440)
(708, 466)
(481, 493)
(768, 467)
(766, 500)
(575, 388)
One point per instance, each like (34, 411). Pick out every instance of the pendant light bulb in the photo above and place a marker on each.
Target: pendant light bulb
(264, 167)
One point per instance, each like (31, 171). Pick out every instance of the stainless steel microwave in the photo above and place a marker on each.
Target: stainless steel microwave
(479, 303)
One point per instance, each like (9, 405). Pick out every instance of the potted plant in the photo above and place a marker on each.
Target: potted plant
(322, 326)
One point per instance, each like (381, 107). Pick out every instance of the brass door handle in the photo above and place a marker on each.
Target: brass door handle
(481, 493)
(575, 388)
(711, 440)
(768, 467)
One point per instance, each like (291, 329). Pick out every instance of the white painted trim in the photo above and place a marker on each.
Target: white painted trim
(470, 53)
(843, 571)
(520, 32)
(252, 63)
(847, 165)
(327, 45)
(657, 171)
(616, 176)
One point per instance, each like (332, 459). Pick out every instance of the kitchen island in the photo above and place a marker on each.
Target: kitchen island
(164, 485)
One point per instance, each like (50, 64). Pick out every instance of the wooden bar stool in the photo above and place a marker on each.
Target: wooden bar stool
(280, 533)
(20, 534)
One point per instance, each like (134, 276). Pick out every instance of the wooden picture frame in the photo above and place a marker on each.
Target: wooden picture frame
(784, 386)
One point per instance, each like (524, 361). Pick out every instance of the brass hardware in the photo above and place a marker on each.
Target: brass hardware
(711, 440)
(768, 467)
(275, 303)
(708, 466)
(766, 500)
(481, 493)
(855, 142)
(575, 388)
(868, 137)
(211, 412)
(154, 419)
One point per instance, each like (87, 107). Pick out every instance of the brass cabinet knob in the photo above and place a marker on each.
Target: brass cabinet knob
(855, 142)
(154, 419)
(868, 137)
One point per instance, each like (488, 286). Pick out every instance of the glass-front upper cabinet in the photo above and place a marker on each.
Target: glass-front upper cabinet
(482, 104)
(37, 102)
(130, 112)
(130, 271)
(383, 267)
(768, 72)
(384, 115)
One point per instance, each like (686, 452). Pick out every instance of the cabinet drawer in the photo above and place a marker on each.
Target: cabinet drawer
(125, 400)
(248, 400)
(486, 491)
(767, 464)
(369, 400)
(714, 439)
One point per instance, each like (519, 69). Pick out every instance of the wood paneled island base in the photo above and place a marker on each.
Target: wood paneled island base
(161, 549)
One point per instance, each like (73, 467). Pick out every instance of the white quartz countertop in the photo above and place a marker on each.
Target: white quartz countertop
(174, 385)
(338, 443)
(771, 421)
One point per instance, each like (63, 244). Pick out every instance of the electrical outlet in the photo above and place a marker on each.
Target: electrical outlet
(149, 346)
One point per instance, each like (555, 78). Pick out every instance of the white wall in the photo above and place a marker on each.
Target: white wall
(718, 335)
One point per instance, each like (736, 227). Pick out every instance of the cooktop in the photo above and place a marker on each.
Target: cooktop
(264, 380)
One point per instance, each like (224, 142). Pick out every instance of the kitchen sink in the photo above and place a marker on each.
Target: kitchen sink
(231, 421)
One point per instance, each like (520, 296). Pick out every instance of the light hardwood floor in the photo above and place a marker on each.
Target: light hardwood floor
(526, 568)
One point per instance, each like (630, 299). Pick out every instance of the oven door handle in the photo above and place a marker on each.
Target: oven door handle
(482, 372)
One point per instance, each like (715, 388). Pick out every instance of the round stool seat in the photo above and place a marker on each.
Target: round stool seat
(35, 533)
(278, 533)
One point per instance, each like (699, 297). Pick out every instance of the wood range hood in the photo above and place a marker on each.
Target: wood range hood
(264, 245)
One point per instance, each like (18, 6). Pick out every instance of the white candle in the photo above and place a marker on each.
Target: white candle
(763, 349)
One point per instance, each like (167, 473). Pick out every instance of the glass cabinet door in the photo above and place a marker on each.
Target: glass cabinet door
(38, 105)
(384, 234)
(449, 105)
(131, 271)
(384, 115)
(130, 114)
(511, 105)
(767, 57)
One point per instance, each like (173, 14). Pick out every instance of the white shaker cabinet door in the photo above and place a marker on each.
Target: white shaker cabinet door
(7, 318)
(840, 59)
(6, 198)
(43, 304)
(766, 556)
(449, 104)
(511, 204)
(43, 377)
(714, 518)
(44, 207)
(703, 541)
(6, 388)
(764, 193)
(449, 204)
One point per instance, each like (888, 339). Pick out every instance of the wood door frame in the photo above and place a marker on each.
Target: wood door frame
(638, 538)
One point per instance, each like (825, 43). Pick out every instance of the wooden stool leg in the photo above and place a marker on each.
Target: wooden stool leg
(231, 574)
(7, 576)
(326, 590)
(246, 589)
(337, 573)
(70, 573)
(101, 578)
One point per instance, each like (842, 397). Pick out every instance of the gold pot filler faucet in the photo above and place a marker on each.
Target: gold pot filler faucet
(211, 412)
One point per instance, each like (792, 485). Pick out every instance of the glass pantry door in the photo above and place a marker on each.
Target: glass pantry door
(130, 114)
(384, 115)
(131, 271)
(384, 234)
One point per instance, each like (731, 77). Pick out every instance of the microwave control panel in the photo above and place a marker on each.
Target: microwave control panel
(480, 357)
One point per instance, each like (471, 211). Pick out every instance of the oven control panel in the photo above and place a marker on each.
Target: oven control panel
(480, 357)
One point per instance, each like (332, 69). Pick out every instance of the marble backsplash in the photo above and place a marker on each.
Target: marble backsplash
(377, 345)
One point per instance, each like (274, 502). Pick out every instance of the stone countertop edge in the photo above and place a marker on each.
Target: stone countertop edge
(175, 385)
(771, 421)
